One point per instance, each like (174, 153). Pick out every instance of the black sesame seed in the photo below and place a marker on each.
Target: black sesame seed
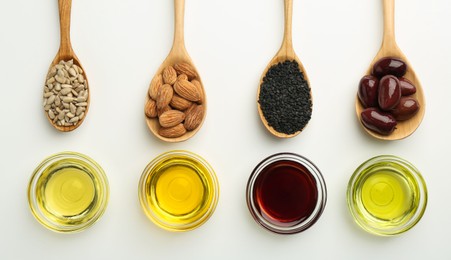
(285, 98)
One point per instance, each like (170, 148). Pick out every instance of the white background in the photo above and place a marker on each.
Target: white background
(122, 43)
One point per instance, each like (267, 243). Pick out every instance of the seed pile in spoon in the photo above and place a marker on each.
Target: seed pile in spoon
(285, 98)
(65, 94)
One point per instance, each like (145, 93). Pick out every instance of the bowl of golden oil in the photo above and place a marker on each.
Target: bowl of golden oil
(178, 191)
(68, 192)
(386, 195)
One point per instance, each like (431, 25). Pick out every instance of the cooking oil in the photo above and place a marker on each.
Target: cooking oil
(67, 192)
(178, 191)
(387, 195)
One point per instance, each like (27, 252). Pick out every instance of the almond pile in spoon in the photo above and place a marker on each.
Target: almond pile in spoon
(175, 100)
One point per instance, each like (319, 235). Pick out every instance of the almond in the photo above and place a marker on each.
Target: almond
(169, 75)
(164, 96)
(172, 132)
(199, 88)
(151, 108)
(186, 68)
(180, 103)
(194, 117)
(182, 76)
(160, 111)
(187, 111)
(187, 90)
(171, 118)
(155, 85)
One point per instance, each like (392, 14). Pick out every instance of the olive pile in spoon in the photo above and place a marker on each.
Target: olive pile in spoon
(386, 96)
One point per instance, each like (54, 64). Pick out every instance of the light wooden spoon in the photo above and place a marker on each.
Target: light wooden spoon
(389, 48)
(177, 54)
(66, 53)
(286, 52)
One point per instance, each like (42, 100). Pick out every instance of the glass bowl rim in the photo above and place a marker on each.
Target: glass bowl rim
(154, 217)
(98, 175)
(420, 185)
(320, 185)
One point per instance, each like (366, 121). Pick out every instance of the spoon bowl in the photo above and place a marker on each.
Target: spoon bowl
(178, 54)
(285, 53)
(389, 48)
(66, 53)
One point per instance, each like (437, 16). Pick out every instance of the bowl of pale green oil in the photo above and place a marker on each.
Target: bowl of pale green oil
(68, 192)
(386, 195)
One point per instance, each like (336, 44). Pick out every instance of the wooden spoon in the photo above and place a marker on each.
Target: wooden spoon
(177, 54)
(286, 52)
(389, 48)
(66, 53)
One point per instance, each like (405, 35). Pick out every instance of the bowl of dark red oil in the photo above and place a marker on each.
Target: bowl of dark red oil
(286, 193)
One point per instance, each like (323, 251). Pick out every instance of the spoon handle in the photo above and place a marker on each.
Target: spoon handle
(179, 15)
(64, 7)
(287, 35)
(389, 23)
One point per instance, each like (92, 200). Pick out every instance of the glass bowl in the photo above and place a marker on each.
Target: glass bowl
(386, 195)
(286, 193)
(178, 191)
(68, 192)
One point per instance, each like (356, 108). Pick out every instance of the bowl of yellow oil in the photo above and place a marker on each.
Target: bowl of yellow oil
(68, 192)
(386, 195)
(178, 191)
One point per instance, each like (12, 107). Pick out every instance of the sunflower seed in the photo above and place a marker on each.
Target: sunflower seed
(72, 108)
(57, 101)
(79, 110)
(51, 99)
(80, 88)
(60, 79)
(61, 115)
(50, 80)
(65, 91)
(80, 78)
(52, 72)
(51, 114)
(68, 99)
(73, 72)
(74, 119)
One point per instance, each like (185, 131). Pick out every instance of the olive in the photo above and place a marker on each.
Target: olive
(407, 87)
(367, 93)
(378, 121)
(389, 66)
(389, 92)
(406, 108)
